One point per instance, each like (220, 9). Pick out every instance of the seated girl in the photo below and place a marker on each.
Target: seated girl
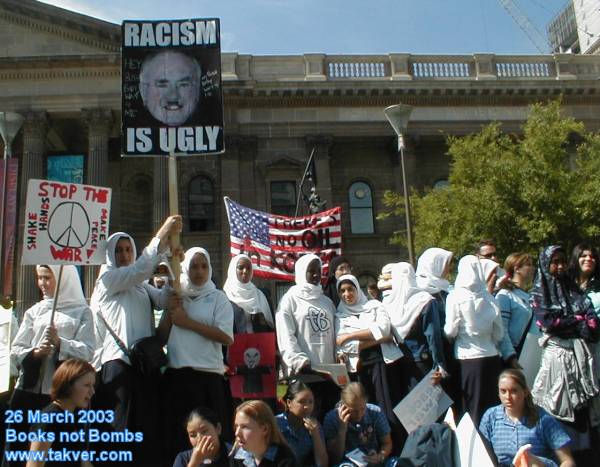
(298, 426)
(258, 440)
(204, 432)
(517, 422)
(355, 429)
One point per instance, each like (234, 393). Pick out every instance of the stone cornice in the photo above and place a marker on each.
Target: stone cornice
(72, 26)
(60, 67)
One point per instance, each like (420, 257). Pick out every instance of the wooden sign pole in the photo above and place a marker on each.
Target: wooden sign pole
(44, 364)
(173, 210)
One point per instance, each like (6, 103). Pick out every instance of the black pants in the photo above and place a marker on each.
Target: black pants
(186, 389)
(480, 385)
(134, 400)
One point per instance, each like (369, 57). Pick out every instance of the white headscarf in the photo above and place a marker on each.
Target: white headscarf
(188, 289)
(304, 289)
(70, 294)
(430, 268)
(362, 305)
(471, 288)
(111, 244)
(407, 301)
(247, 296)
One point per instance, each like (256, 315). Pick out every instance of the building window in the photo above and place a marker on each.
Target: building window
(361, 208)
(283, 198)
(201, 204)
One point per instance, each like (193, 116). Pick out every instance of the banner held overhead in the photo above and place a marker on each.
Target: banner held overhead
(171, 87)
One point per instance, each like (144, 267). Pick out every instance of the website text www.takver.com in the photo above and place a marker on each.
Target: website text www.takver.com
(67, 455)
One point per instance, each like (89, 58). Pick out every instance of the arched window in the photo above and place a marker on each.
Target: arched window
(441, 183)
(361, 208)
(201, 204)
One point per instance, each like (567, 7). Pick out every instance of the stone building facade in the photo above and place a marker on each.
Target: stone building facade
(61, 70)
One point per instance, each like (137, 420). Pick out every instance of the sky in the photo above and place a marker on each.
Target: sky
(279, 27)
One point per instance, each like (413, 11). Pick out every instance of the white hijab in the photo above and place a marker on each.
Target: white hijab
(470, 288)
(70, 294)
(246, 296)
(407, 301)
(304, 289)
(430, 268)
(188, 289)
(362, 305)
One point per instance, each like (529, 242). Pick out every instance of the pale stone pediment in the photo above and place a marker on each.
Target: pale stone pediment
(34, 29)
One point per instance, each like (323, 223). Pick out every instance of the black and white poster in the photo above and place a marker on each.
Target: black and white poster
(172, 99)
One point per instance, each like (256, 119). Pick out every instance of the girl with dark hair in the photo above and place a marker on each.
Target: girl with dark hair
(338, 266)
(584, 271)
(258, 440)
(565, 384)
(517, 423)
(300, 429)
(72, 389)
(204, 432)
(513, 300)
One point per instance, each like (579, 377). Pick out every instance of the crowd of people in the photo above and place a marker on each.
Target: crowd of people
(412, 324)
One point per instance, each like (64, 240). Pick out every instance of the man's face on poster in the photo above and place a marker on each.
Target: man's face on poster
(170, 86)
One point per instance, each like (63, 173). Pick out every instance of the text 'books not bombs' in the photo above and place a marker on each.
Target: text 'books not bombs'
(164, 34)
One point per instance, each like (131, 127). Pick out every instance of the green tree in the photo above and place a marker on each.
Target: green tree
(524, 191)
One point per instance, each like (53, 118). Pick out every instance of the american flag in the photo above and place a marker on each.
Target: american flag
(275, 242)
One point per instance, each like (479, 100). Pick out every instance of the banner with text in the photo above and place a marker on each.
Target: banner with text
(9, 172)
(65, 223)
(171, 94)
(274, 242)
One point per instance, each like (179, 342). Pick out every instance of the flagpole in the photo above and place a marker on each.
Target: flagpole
(300, 192)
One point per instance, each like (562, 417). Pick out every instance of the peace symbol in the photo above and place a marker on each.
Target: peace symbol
(69, 225)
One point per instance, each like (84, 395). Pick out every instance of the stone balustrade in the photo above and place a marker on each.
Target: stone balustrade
(321, 67)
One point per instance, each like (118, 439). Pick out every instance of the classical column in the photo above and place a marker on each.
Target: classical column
(322, 145)
(99, 123)
(161, 191)
(32, 166)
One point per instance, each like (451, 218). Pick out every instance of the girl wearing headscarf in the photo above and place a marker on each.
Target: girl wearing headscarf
(338, 266)
(305, 330)
(473, 320)
(565, 383)
(40, 346)
(415, 319)
(123, 301)
(200, 324)
(364, 341)
(251, 309)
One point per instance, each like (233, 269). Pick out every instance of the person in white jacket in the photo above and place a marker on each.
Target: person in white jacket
(123, 300)
(474, 321)
(40, 346)
(306, 331)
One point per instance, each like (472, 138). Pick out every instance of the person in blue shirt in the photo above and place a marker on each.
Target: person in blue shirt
(204, 432)
(300, 429)
(355, 424)
(518, 422)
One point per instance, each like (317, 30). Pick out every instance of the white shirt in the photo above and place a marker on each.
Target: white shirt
(75, 329)
(187, 348)
(124, 300)
(305, 331)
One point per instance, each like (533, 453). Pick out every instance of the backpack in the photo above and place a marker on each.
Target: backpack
(428, 446)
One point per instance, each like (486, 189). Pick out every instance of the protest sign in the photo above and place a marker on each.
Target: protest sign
(274, 243)
(65, 223)
(171, 95)
(252, 365)
(531, 357)
(471, 451)
(423, 405)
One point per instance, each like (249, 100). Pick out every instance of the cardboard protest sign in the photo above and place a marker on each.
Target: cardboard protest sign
(172, 98)
(274, 242)
(471, 451)
(423, 405)
(65, 223)
(252, 363)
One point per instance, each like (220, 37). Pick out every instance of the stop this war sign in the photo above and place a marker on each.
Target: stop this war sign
(65, 223)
